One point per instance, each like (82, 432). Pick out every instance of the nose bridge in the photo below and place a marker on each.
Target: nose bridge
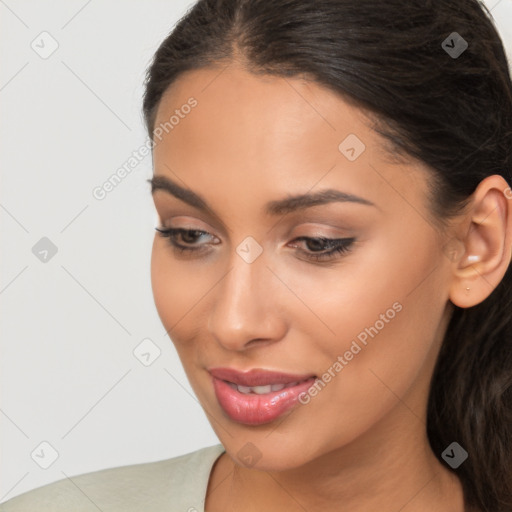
(242, 310)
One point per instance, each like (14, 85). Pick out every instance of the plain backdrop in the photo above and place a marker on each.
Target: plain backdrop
(78, 391)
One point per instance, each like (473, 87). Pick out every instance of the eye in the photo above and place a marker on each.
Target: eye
(321, 249)
(326, 249)
(189, 236)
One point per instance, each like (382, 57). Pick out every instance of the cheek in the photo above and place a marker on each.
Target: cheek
(388, 295)
(173, 291)
(179, 291)
(383, 318)
(161, 282)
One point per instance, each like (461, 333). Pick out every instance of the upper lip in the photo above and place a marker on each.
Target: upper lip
(257, 376)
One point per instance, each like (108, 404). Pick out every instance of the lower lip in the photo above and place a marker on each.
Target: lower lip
(253, 409)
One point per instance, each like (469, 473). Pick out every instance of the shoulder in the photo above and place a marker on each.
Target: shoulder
(176, 484)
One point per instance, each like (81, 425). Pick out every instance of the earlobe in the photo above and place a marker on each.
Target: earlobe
(487, 244)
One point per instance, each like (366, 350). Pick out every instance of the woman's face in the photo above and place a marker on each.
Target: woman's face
(252, 295)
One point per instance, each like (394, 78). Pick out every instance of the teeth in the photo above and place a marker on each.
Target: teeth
(261, 390)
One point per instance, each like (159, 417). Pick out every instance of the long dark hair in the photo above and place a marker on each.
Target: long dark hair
(451, 111)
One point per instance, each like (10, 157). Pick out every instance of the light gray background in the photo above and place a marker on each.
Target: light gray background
(69, 325)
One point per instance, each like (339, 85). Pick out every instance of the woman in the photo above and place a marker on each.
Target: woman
(332, 181)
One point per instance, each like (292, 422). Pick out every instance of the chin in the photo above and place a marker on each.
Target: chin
(267, 455)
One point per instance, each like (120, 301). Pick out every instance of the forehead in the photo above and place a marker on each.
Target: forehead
(266, 133)
(273, 110)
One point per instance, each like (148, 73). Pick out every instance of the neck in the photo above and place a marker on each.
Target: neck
(386, 469)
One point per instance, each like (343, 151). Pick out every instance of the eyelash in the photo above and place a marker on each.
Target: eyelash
(341, 245)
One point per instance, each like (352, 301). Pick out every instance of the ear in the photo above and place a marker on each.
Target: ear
(486, 242)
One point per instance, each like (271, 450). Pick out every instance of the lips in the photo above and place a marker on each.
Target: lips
(257, 397)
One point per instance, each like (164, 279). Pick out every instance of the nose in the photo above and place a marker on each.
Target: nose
(246, 311)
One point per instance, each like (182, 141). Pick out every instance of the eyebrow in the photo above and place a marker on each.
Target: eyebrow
(276, 207)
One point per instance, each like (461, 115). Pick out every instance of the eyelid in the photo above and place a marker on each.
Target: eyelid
(185, 215)
(327, 228)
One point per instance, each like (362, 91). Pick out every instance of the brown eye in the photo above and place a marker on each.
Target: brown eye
(188, 236)
(322, 249)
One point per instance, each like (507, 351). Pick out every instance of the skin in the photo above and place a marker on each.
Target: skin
(362, 440)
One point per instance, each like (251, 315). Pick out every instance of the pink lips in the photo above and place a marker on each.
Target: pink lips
(257, 409)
